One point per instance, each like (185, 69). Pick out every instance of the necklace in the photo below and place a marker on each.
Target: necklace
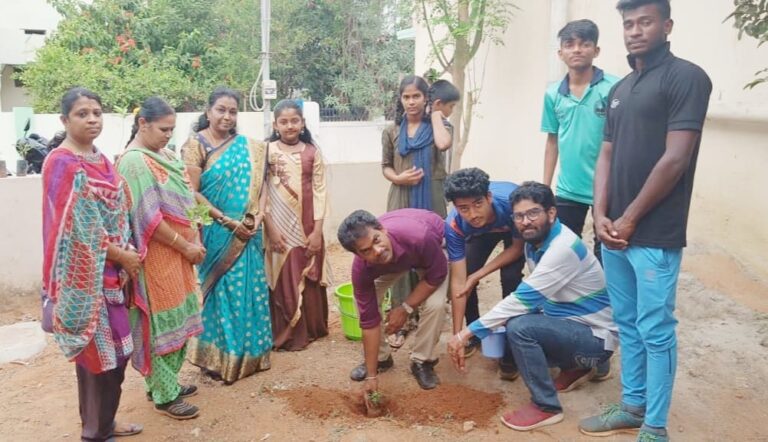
(214, 141)
(291, 148)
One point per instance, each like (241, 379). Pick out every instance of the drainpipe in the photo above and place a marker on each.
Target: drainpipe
(558, 17)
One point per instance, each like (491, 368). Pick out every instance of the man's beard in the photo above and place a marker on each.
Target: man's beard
(541, 234)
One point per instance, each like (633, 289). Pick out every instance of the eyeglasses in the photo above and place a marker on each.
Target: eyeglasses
(532, 215)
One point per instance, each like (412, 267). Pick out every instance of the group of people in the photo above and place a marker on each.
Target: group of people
(627, 150)
(161, 258)
(217, 255)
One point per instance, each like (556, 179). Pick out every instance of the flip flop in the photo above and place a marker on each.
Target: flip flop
(398, 339)
(130, 430)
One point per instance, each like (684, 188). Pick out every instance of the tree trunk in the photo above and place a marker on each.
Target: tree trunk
(458, 74)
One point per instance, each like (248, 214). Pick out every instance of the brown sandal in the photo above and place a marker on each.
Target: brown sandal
(398, 339)
(130, 430)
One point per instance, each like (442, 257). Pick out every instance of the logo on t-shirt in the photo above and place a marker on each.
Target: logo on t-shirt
(600, 107)
(615, 103)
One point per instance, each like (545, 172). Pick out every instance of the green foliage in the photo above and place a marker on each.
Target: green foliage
(469, 21)
(751, 17)
(200, 215)
(457, 29)
(375, 397)
(339, 52)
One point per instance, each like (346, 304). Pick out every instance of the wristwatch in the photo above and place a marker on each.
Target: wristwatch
(407, 307)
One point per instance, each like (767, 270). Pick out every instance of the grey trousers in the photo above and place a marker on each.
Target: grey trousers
(99, 396)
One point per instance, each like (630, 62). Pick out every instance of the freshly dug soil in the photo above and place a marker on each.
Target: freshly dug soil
(447, 404)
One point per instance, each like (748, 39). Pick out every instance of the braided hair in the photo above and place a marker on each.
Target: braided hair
(152, 109)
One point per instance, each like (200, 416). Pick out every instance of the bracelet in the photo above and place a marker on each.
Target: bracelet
(370, 378)
(408, 308)
(458, 335)
(174, 239)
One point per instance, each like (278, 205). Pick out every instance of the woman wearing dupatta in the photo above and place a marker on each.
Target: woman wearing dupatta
(295, 253)
(413, 160)
(87, 258)
(161, 196)
(228, 171)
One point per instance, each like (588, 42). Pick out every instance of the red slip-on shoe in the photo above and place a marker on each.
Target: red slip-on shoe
(529, 417)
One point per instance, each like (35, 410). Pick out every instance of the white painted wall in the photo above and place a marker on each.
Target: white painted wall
(341, 142)
(351, 150)
(351, 186)
(21, 241)
(729, 205)
(10, 95)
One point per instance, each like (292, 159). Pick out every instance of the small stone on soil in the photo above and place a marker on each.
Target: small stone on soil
(468, 426)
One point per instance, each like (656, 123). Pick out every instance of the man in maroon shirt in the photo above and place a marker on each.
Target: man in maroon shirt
(386, 248)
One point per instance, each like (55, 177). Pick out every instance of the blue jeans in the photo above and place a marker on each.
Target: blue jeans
(642, 283)
(538, 342)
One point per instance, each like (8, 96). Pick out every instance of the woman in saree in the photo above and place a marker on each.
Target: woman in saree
(167, 241)
(87, 258)
(295, 253)
(227, 171)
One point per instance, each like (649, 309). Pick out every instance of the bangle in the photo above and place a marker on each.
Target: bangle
(458, 335)
(174, 239)
(370, 378)
(408, 308)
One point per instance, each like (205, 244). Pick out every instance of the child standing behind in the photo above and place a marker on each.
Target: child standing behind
(413, 158)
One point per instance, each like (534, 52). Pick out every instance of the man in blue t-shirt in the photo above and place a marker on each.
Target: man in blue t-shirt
(573, 119)
(481, 217)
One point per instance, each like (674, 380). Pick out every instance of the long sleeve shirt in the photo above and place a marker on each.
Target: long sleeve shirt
(566, 281)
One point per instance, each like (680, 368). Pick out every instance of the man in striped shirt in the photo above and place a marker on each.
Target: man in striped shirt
(558, 316)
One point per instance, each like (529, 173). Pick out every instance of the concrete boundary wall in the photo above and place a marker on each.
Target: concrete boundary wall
(341, 142)
(350, 186)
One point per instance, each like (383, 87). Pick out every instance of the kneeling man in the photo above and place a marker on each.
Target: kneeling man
(385, 249)
(559, 316)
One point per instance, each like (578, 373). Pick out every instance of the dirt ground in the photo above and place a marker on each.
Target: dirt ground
(720, 392)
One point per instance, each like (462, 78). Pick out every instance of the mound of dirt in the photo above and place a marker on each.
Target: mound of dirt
(447, 404)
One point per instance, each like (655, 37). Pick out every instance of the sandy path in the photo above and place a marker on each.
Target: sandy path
(720, 394)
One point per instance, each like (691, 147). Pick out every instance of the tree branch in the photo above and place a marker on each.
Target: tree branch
(438, 53)
(480, 28)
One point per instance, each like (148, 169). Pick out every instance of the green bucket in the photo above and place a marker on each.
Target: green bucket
(350, 320)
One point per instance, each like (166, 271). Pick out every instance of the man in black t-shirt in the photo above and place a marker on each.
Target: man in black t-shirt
(643, 184)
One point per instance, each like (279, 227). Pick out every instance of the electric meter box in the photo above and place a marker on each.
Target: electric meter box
(269, 90)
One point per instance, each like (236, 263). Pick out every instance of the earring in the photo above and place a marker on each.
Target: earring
(303, 131)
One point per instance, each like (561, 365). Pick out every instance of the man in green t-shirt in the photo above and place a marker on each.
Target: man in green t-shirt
(573, 119)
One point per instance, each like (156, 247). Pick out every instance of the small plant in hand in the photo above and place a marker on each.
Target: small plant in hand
(200, 215)
(373, 404)
(375, 397)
